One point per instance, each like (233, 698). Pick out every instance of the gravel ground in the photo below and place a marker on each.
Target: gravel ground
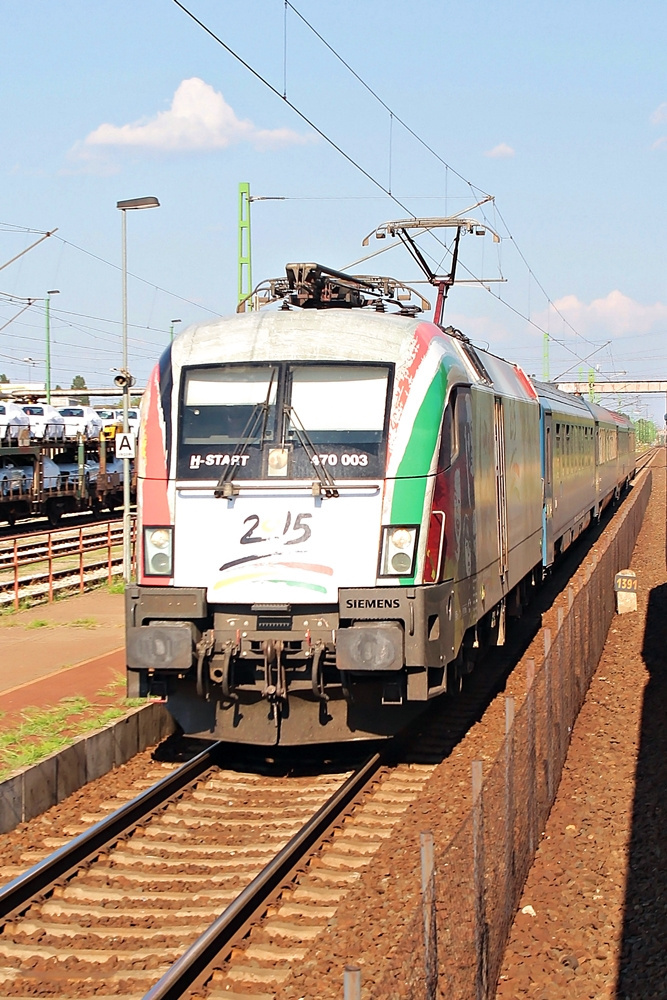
(598, 887)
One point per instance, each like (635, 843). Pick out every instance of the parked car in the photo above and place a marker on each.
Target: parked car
(111, 423)
(45, 422)
(12, 419)
(81, 420)
(68, 464)
(54, 476)
(13, 479)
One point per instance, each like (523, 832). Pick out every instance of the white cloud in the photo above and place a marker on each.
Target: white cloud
(500, 152)
(616, 315)
(199, 120)
(660, 114)
(484, 331)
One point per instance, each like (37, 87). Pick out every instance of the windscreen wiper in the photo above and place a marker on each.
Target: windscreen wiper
(225, 486)
(326, 486)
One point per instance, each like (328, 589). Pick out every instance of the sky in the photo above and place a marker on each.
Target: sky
(559, 111)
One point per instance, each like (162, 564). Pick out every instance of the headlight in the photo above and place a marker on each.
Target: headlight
(399, 548)
(159, 551)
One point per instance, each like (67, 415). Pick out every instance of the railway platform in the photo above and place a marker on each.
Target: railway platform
(74, 646)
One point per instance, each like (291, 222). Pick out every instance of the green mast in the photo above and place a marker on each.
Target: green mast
(245, 261)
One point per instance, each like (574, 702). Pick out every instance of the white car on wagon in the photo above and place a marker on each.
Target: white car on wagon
(45, 422)
(12, 419)
(82, 420)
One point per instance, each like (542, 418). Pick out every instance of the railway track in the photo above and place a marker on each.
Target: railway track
(35, 547)
(166, 893)
(74, 519)
(147, 897)
(39, 563)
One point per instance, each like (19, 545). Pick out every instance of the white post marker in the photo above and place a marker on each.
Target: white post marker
(125, 445)
(625, 587)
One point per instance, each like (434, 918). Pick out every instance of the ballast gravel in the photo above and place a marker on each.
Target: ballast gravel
(592, 922)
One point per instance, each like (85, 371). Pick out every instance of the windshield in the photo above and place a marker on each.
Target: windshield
(71, 412)
(34, 411)
(106, 414)
(283, 419)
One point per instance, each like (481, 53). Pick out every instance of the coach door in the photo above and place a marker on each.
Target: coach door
(548, 493)
(501, 492)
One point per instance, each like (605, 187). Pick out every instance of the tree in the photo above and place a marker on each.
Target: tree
(79, 382)
(646, 431)
(3, 378)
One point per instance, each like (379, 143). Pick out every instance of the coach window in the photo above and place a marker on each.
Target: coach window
(226, 404)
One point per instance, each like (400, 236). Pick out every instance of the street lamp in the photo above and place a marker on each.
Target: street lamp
(31, 362)
(171, 328)
(47, 310)
(126, 381)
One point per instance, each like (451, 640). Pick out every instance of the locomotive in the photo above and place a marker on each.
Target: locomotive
(338, 507)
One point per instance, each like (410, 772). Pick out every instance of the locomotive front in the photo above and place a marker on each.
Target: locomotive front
(282, 485)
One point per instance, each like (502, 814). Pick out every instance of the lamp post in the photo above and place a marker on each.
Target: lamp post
(47, 311)
(126, 380)
(31, 362)
(171, 329)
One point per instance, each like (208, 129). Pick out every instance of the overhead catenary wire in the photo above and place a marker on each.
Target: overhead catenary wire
(475, 188)
(294, 108)
(138, 277)
(350, 159)
(377, 97)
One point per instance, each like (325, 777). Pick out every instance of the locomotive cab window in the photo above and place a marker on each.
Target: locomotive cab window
(224, 405)
(282, 419)
(339, 413)
(343, 405)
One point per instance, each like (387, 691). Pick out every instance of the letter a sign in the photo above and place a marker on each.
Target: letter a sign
(125, 445)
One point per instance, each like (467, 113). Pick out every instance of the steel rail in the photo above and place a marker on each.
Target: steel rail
(63, 579)
(18, 893)
(60, 550)
(234, 920)
(37, 543)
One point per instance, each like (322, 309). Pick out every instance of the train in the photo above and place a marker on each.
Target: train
(49, 478)
(340, 504)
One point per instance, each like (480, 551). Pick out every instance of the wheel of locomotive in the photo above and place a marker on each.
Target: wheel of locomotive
(455, 675)
(454, 679)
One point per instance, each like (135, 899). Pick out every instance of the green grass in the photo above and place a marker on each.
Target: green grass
(39, 623)
(116, 588)
(83, 623)
(43, 731)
